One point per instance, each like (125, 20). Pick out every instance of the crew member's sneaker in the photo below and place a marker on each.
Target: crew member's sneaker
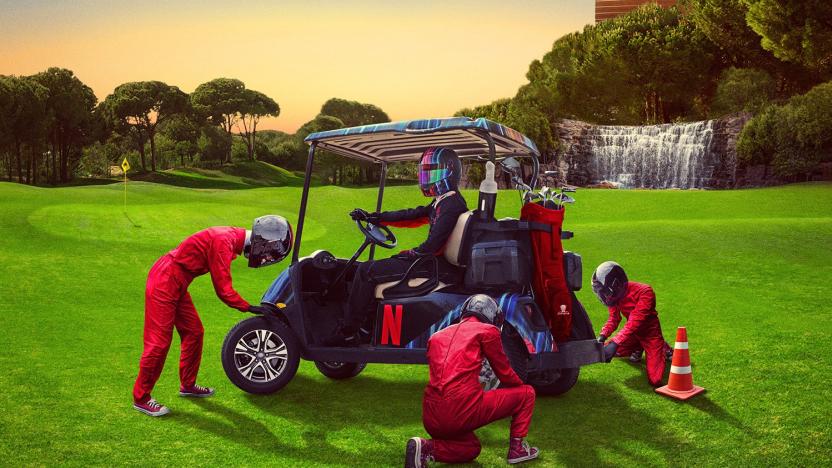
(151, 408)
(520, 451)
(635, 357)
(197, 391)
(418, 453)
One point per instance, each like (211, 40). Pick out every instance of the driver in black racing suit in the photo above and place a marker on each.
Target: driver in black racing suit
(439, 172)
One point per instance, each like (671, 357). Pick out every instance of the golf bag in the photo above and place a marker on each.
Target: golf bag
(549, 280)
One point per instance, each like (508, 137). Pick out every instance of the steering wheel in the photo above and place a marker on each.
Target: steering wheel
(377, 234)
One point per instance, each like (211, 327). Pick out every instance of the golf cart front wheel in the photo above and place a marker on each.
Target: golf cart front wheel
(555, 381)
(340, 370)
(260, 355)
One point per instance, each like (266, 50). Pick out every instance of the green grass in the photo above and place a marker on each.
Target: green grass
(746, 271)
(240, 175)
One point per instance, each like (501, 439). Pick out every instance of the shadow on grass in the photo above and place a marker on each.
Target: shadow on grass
(319, 408)
(588, 426)
(592, 420)
(703, 403)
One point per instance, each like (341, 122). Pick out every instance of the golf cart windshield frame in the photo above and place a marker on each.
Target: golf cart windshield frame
(404, 141)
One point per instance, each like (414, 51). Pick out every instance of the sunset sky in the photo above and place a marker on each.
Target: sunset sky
(412, 59)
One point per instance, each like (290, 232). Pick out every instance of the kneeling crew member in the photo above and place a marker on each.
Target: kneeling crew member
(637, 303)
(455, 404)
(168, 304)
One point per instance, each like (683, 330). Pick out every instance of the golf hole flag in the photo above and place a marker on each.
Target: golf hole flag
(125, 166)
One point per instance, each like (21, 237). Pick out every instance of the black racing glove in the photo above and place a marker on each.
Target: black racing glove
(609, 351)
(260, 310)
(602, 339)
(359, 215)
(408, 254)
(374, 218)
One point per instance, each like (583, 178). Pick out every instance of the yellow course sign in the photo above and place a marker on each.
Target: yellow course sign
(125, 166)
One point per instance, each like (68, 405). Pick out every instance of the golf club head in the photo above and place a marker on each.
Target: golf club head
(564, 198)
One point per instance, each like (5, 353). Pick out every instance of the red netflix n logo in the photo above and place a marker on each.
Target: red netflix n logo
(392, 326)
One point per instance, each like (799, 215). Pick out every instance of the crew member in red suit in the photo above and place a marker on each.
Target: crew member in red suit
(636, 302)
(455, 404)
(168, 304)
(439, 173)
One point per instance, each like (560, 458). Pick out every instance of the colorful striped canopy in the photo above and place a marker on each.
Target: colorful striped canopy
(408, 139)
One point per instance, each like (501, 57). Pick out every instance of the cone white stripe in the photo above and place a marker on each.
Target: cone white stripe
(680, 345)
(680, 370)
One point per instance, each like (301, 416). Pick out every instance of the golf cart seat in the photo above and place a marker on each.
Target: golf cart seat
(417, 286)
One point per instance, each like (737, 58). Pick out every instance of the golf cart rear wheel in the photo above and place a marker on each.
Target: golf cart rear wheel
(260, 355)
(340, 370)
(555, 381)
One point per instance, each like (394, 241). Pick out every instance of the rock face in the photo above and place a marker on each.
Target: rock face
(687, 155)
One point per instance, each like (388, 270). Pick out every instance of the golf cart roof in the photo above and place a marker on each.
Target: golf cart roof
(408, 139)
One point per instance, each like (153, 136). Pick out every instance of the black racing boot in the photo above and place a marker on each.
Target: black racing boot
(343, 336)
(635, 357)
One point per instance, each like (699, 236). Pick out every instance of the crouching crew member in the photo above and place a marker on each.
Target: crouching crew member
(643, 332)
(455, 404)
(168, 304)
(439, 172)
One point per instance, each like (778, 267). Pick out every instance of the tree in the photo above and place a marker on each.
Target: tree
(255, 105)
(214, 144)
(353, 113)
(325, 161)
(220, 101)
(71, 122)
(650, 65)
(723, 23)
(798, 31)
(743, 89)
(141, 106)
(23, 109)
(183, 132)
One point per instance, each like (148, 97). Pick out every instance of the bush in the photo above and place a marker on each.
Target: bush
(793, 138)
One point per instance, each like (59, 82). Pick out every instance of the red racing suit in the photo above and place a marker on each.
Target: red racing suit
(642, 331)
(455, 404)
(168, 304)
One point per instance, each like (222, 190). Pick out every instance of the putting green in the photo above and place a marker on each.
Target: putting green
(746, 271)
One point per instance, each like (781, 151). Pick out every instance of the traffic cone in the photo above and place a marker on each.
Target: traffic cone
(680, 384)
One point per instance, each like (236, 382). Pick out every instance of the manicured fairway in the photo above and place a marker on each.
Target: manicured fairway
(746, 271)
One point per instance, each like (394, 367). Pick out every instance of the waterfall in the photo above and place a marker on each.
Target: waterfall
(652, 156)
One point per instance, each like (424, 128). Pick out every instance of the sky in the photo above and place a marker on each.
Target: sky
(412, 59)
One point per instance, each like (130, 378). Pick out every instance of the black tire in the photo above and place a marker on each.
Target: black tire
(555, 381)
(255, 339)
(340, 370)
(516, 351)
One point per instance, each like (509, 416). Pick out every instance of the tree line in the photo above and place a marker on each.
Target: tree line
(698, 60)
(51, 121)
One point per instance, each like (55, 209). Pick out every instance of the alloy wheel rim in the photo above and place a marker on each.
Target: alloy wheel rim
(260, 356)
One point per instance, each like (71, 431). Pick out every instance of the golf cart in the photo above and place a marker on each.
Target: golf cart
(261, 354)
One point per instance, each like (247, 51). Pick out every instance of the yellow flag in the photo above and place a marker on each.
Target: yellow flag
(125, 166)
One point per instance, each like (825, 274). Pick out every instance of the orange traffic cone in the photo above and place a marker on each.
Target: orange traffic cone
(680, 384)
